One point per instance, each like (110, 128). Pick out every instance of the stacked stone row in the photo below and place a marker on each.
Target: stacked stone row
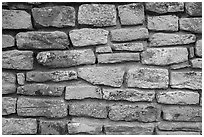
(102, 68)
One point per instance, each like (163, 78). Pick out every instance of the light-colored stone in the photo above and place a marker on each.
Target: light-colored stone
(186, 79)
(191, 24)
(130, 46)
(8, 83)
(7, 41)
(20, 78)
(104, 75)
(163, 23)
(142, 77)
(196, 62)
(8, 105)
(193, 8)
(177, 133)
(180, 65)
(103, 49)
(191, 52)
(198, 48)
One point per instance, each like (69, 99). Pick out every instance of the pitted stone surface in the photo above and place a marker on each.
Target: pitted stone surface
(130, 46)
(20, 78)
(8, 105)
(7, 41)
(198, 48)
(196, 63)
(8, 83)
(177, 133)
(194, 8)
(193, 25)
(103, 49)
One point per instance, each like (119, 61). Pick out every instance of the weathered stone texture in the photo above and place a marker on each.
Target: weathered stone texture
(88, 109)
(165, 7)
(131, 14)
(7, 41)
(97, 15)
(118, 57)
(180, 65)
(196, 62)
(106, 75)
(42, 40)
(198, 48)
(55, 75)
(129, 34)
(15, 126)
(56, 16)
(82, 92)
(164, 56)
(8, 83)
(191, 24)
(147, 77)
(41, 90)
(15, 59)
(51, 127)
(167, 39)
(186, 79)
(88, 37)
(20, 78)
(182, 113)
(176, 133)
(132, 112)
(163, 23)
(103, 49)
(68, 58)
(177, 97)
(8, 105)
(191, 52)
(51, 108)
(128, 94)
(130, 46)
(16, 19)
(194, 8)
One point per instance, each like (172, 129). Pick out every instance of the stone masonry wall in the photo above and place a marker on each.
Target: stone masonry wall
(102, 68)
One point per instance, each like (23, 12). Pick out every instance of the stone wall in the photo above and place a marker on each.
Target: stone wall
(102, 68)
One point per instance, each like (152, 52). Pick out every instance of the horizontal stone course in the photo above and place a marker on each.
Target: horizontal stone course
(130, 46)
(177, 133)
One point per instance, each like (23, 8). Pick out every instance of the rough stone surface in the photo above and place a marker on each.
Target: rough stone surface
(130, 46)
(15, 126)
(176, 133)
(94, 109)
(129, 34)
(103, 49)
(186, 79)
(191, 24)
(82, 92)
(42, 40)
(198, 48)
(180, 65)
(7, 41)
(8, 83)
(41, 90)
(191, 52)
(131, 14)
(142, 77)
(51, 127)
(164, 56)
(194, 8)
(51, 108)
(182, 113)
(88, 37)
(178, 97)
(16, 19)
(67, 58)
(164, 7)
(20, 78)
(97, 15)
(106, 75)
(132, 112)
(8, 105)
(196, 62)
(178, 126)
(167, 39)
(128, 94)
(55, 75)
(15, 59)
(162, 23)
(56, 16)
(118, 57)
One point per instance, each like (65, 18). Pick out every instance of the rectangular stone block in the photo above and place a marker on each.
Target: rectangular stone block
(17, 126)
(169, 39)
(42, 40)
(88, 37)
(128, 94)
(180, 65)
(54, 75)
(104, 75)
(82, 92)
(193, 25)
(182, 113)
(16, 19)
(97, 15)
(118, 57)
(196, 63)
(8, 83)
(193, 8)
(41, 90)
(15, 59)
(176, 133)
(7, 41)
(142, 77)
(129, 34)
(130, 46)
(66, 58)
(145, 112)
(20, 78)
(186, 79)
(50, 108)
(56, 16)
(198, 48)
(162, 23)
(103, 49)
(164, 56)
(8, 105)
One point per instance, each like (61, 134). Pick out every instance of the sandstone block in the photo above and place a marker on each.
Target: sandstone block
(193, 8)
(191, 24)
(7, 41)
(8, 105)
(8, 83)
(198, 48)
(196, 63)
(130, 46)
